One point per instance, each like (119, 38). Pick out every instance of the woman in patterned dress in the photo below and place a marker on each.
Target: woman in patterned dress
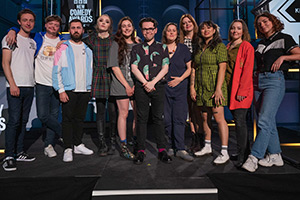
(209, 90)
(100, 43)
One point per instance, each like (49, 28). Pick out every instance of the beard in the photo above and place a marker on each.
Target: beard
(77, 37)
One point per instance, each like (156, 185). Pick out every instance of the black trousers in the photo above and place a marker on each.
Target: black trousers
(156, 98)
(241, 130)
(73, 115)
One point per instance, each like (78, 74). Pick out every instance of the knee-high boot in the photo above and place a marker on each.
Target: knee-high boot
(112, 145)
(102, 150)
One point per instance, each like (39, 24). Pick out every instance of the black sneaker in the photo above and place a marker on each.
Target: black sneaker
(164, 157)
(139, 158)
(24, 157)
(9, 164)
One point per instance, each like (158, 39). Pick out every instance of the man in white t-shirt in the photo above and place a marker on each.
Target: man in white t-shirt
(18, 68)
(47, 100)
(72, 78)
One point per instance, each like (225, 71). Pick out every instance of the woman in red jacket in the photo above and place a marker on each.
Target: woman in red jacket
(240, 83)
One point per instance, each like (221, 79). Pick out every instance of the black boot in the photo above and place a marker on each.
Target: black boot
(102, 149)
(191, 148)
(112, 145)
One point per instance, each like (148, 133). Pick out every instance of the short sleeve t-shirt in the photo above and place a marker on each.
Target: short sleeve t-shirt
(150, 58)
(22, 60)
(177, 67)
(80, 67)
(270, 49)
(116, 87)
(44, 61)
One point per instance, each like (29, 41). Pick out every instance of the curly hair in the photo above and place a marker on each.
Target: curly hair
(110, 28)
(245, 36)
(164, 33)
(182, 32)
(120, 39)
(216, 37)
(277, 24)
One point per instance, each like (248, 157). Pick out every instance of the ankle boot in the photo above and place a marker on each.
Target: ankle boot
(191, 148)
(102, 149)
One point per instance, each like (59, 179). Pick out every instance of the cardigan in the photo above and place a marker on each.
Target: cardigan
(242, 79)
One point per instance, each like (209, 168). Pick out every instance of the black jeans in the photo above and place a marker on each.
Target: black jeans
(156, 98)
(73, 115)
(241, 130)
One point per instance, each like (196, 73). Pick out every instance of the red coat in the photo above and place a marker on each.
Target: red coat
(242, 83)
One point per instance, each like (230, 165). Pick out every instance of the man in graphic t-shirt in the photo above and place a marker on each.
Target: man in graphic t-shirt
(17, 62)
(47, 100)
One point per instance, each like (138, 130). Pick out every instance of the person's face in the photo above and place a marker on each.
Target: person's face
(171, 33)
(76, 31)
(265, 26)
(187, 24)
(52, 27)
(26, 22)
(148, 31)
(207, 32)
(103, 23)
(236, 31)
(126, 28)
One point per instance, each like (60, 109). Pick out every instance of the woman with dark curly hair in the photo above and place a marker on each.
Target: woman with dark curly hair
(209, 90)
(240, 83)
(272, 54)
(122, 87)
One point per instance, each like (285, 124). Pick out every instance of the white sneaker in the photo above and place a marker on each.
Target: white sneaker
(184, 155)
(205, 150)
(68, 155)
(49, 151)
(221, 159)
(271, 159)
(251, 164)
(81, 149)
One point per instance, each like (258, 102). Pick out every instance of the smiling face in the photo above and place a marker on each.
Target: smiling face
(265, 26)
(236, 31)
(26, 22)
(171, 33)
(103, 23)
(52, 27)
(207, 32)
(148, 31)
(187, 25)
(126, 28)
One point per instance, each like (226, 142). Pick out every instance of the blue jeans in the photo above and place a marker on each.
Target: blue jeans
(269, 90)
(18, 114)
(175, 114)
(47, 104)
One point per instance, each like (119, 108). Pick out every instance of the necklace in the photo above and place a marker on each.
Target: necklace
(172, 51)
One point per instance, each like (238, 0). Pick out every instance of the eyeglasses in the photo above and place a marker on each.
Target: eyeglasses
(148, 29)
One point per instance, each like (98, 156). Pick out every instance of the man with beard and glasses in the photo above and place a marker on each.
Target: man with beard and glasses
(72, 77)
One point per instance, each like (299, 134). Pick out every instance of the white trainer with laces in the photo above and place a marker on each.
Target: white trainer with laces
(49, 151)
(205, 150)
(221, 159)
(271, 159)
(251, 164)
(68, 155)
(81, 149)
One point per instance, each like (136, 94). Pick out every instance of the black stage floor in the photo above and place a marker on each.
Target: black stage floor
(116, 178)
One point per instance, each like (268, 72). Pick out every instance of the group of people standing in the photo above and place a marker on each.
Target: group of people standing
(191, 72)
